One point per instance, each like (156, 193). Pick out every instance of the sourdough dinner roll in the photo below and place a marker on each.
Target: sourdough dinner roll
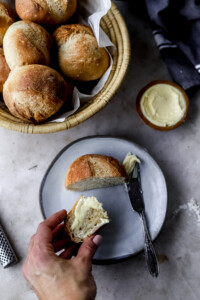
(79, 55)
(26, 43)
(6, 19)
(47, 12)
(34, 93)
(4, 70)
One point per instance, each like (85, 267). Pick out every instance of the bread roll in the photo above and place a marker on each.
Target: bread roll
(4, 70)
(93, 171)
(47, 12)
(34, 93)
(79, 55)
(26, 43)
(85, 218)
(6, 19)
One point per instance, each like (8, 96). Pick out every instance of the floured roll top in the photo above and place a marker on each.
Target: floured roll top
(46, 12)
(79, 56)
(26, 43)
(34, 93)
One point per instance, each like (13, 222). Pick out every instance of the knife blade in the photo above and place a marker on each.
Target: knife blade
(134, 188)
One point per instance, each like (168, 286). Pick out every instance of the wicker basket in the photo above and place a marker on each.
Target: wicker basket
(114, 26)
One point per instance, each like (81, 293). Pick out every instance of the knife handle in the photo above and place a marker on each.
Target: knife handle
(150, 254)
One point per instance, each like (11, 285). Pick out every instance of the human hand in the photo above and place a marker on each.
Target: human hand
(56, 277)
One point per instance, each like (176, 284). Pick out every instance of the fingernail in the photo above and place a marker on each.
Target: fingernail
(97, 240)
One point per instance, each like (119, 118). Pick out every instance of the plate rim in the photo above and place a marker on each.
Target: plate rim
(117, 259)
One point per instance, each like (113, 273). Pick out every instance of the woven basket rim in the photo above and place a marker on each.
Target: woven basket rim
(114, 23)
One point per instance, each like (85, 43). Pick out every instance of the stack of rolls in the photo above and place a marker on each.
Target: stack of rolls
(40, 55)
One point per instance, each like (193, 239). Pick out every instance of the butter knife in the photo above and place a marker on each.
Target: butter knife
(134, 189)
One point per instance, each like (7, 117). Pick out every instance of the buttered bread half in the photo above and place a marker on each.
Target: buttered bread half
(92, 171)
(85, 218)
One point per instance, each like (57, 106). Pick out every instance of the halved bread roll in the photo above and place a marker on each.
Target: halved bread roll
(85, 218)
(93, 171)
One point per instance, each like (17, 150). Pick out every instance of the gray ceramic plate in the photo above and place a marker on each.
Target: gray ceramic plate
(123, 236)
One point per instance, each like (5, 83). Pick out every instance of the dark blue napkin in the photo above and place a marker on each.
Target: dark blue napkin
(176, 29)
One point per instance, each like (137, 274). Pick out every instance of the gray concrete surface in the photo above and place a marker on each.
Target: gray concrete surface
(25, 158)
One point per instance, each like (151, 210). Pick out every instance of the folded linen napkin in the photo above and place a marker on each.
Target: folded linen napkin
(176, 29)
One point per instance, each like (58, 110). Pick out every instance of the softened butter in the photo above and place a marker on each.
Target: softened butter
(163, 105)
(129, 162)
(82, 208)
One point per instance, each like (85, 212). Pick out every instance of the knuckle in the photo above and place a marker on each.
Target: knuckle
(39, 257)
(57, 219)
(83, 259)
(80, 259)
(41, 224)
(32, 238)
(90, 247)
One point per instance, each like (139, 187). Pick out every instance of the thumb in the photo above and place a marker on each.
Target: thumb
(88, 248)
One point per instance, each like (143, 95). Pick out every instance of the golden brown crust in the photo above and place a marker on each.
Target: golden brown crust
(6, 19)
(4, 70)
(31, 10)
(62, 33)
(34, 93)
(93, 165)
(79, 55)
(46, 12)
(27, 43)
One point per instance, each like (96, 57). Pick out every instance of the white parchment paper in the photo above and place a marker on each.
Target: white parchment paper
(89, 12)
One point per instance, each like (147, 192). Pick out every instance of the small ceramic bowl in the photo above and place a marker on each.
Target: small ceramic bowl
(147, 120)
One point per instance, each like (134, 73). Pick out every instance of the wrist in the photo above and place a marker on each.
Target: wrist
(52, 288)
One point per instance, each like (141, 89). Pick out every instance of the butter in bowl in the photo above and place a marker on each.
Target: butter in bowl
(163, 105)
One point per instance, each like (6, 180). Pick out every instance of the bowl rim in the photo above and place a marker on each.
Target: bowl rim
(149, 123)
